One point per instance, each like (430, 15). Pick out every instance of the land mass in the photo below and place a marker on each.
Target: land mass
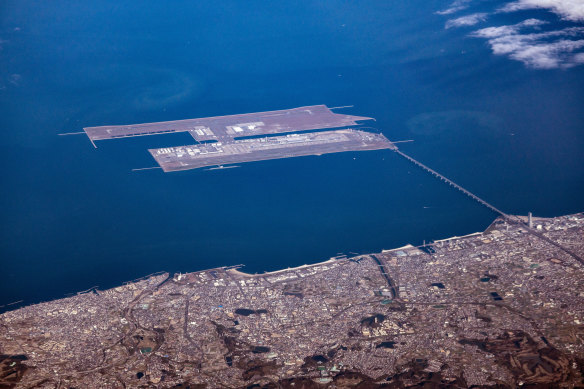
(250, 137)
(502, 308)
(260, 149)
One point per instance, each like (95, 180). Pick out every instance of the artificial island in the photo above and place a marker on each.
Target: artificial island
(250, 137)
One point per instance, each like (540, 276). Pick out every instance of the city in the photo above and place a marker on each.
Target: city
(502, 307)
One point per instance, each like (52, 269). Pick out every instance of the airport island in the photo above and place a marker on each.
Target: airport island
(501, 308)
(256, 136)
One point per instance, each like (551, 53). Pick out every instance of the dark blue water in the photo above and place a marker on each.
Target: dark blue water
(74, 217)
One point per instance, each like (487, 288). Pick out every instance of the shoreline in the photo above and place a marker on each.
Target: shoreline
(250, 275)
(241, 274)
(305, 266)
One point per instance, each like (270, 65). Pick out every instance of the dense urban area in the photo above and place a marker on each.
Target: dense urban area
(503, 308)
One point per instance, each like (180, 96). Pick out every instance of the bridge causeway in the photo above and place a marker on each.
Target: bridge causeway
(452, 183)
(508, 218)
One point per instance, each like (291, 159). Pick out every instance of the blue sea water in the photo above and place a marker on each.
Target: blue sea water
(74, 216)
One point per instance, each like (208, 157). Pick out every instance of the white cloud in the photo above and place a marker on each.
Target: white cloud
(568, 9)
(493, 32)
(526, 41)
(578, 58)
(544, 50)
(468, 20)
(457, 5)
(548, 55)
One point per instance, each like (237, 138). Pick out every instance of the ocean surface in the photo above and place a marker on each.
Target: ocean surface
(74, 217)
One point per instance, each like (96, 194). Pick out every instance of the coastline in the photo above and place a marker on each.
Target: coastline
(240, 274)
(305, 266)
